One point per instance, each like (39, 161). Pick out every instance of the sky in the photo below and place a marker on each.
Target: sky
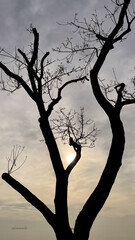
(19, 125)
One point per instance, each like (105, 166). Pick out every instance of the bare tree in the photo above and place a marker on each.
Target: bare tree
(40, 82)
(45, 87)
(94, 45)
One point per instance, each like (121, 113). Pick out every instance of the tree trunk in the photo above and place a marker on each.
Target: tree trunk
(62, 230)
(61, 227)
(97, 199)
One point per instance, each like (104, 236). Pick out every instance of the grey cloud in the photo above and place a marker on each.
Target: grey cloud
(18, 118)
(17, 16)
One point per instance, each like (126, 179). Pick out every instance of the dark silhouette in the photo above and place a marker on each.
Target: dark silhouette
(59, 220)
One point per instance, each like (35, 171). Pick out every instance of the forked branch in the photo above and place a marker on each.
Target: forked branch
(12, 160)
(56, 100)
(18, 79)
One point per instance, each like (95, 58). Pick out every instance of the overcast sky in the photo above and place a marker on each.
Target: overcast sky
(19, 125)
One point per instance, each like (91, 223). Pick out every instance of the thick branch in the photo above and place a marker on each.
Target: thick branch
(97, 199)
(119, 89)
(52, 146)
(122, 35)
(23, 55)
(35, 48)
(31, 75)
(56, 100)
(127, 102)
(104, 103)
(31, 198)
(42, 73)
(120, 22)
(77, 148)
(18, 79)
(42, 64)
(121, 100)
(111, 38)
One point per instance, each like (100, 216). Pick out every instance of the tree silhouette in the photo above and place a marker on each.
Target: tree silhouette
(40, 82)
(45, 88)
